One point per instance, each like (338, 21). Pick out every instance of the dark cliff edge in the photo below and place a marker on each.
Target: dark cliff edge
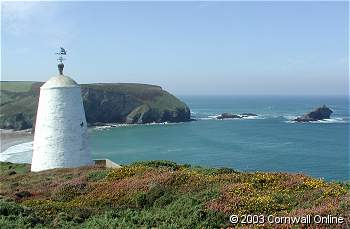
(104, 103)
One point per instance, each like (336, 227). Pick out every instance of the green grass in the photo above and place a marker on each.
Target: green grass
(8, 167)
(151, 95)
(159, 194)
(16, 86)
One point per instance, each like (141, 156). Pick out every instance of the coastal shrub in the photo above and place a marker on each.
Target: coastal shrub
(213, 171)
(161, 164)
(46, 208)
(68, 176)
(20, 222)
(50, 210)
(184, 212)
(209, 193)
(65, 220)
(13, 215)
(117, 192)
(140, 199)
(154, 193)
(310, 183)
(344, 206)
(334, 191)
(124, 172)
(346, 185)
(8, 167)
(147, 199)
(182, 177)
(70, 190)
(263, 180)
(62, 220)
(163, 200)
(284, 200)
(161, 195)
(10, 208)
(97, 175)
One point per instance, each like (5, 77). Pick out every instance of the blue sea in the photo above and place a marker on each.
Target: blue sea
(268, 142)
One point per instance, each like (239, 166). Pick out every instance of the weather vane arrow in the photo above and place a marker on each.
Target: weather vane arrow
(60, 59)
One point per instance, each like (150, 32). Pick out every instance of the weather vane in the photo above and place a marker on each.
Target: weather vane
(60, 59)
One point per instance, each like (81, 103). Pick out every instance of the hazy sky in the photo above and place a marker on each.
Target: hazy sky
(185, 47)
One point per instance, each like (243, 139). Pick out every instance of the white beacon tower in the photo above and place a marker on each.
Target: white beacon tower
(60, 139)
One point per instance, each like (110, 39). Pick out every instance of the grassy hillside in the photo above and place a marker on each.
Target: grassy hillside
(159, 194)
(16, 86)
(104, 103)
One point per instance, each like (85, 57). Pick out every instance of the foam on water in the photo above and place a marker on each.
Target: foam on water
(253, 117)
(331, 120)
(215, 117)
(207, 118)
(118, 125)
(21, 153)
(323, 121)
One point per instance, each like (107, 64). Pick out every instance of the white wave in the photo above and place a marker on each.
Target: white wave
(209, 117)
(290, 121)
(101, 127)
(215, 117)
(253, 117)
(331, 120)
(118, 125)
(205, 118)
(290, 117)
(21, 153)
(325, 121)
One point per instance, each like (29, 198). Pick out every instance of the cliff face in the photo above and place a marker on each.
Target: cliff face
(103, 103)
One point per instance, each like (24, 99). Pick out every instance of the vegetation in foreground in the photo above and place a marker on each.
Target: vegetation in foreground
(159, 194)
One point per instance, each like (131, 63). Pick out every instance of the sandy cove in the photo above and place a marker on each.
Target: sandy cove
(10, 138)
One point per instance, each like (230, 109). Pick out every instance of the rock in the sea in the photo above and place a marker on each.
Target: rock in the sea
(103, 103)
(228, 115)
(318, 114)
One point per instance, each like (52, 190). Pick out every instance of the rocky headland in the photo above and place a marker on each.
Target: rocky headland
(318, 114)
(104, 103)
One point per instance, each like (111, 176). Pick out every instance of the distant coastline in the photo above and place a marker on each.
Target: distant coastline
(122, 103)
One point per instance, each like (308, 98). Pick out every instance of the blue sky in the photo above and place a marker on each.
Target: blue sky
(185, 47)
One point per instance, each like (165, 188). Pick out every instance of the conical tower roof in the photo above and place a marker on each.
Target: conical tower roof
(60, 81)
